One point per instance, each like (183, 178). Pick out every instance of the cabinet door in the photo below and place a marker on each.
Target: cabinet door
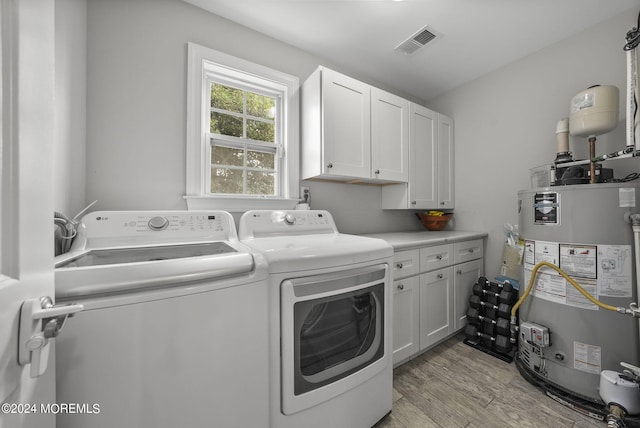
(466, 274)
(389, 136)
(445, 162)
(436, 315)
(423, 164)
(346, 106)
(406, 318)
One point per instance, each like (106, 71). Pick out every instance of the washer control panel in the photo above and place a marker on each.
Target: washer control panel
(153, 225)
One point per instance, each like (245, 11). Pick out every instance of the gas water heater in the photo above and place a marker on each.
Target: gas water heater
(584, 230)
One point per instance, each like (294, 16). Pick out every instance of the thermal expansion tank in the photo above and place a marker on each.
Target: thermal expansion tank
(584, 230)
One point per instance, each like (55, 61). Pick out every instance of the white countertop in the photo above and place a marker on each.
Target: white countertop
(424, 238)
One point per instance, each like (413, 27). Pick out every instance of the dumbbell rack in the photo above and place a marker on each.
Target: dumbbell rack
(488, 318)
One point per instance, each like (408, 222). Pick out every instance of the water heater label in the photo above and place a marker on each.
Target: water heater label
(578, 260)
(627, 197)
(587, 358)
(602, 270)
(614, 270)
(546, 208)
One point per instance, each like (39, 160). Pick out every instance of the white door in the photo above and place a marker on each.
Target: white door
(26, 214)
(466, 275)
(346, 106)
(389, 136)
(445, 162)
(423, 182)
(406, 318)
(436, 316)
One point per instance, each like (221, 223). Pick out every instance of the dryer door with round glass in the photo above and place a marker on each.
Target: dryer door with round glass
(332, 334)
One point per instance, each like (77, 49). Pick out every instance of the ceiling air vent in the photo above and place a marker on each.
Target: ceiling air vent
(417, 41)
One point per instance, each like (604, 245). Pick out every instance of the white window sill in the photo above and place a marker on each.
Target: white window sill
(238, 204)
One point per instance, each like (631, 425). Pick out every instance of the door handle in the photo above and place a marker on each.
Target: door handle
(40, 320)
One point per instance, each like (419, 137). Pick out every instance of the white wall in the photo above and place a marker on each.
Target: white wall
(70, 131)
(505, 124)
(137, 100)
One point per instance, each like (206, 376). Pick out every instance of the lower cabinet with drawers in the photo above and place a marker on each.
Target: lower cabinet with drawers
(432, 285)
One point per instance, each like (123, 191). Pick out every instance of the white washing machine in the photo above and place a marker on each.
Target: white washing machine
(330, 311)
(174, 328)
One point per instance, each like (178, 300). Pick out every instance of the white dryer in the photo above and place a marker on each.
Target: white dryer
(174, 327)
(330, 310)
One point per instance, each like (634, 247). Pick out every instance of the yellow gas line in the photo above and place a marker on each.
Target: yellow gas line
(568, 278)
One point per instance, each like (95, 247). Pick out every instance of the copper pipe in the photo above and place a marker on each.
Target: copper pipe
(592, 155)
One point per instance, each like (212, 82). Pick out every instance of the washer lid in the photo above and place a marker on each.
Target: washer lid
(132, 269)
(145, 254)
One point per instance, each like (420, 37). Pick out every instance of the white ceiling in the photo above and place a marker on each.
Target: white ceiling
(475, 36)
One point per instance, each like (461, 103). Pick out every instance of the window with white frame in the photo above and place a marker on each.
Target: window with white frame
(242, 121)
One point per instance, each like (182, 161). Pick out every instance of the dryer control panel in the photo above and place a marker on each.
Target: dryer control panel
(260, 224)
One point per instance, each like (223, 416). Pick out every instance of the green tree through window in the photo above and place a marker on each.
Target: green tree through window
(243, 141)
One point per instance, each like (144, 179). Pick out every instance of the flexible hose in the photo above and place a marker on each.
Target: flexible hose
(67, 232)
(565, 276)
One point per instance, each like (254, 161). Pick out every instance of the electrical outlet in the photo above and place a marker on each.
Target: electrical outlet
(305, 194)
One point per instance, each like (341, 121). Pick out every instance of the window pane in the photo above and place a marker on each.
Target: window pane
(260, 131)
(261, 183)
(226, 124)
(227, 156)
(261, 160)
(261, 106)
(225, 180)
(226, 98)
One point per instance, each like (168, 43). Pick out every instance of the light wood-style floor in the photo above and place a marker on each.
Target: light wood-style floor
(455, 385)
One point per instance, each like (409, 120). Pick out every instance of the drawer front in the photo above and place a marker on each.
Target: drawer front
(467, 251)
(436, 257)
(406, 263)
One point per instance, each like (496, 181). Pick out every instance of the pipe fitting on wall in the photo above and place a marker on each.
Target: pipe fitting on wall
(514, 329)
(635, 220)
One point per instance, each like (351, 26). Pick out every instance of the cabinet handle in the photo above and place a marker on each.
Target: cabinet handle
(400, 286)
(414, 202)
(442, 203)
(459, 272)
(470, 250)
(399, 265)
(440, 276)
(377, 172)
(439, 257)
(330, 165)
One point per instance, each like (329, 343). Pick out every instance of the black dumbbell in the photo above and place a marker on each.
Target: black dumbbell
(489, 326)
(496, 287)
(500, 343)
(472, 333)
(502, 310)
(507, 296)
(474, 317)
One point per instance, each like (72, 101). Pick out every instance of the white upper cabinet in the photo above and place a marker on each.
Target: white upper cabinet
(445, 162)
(431, 179)
(389, 136)
(423, 190)
(352, 131)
